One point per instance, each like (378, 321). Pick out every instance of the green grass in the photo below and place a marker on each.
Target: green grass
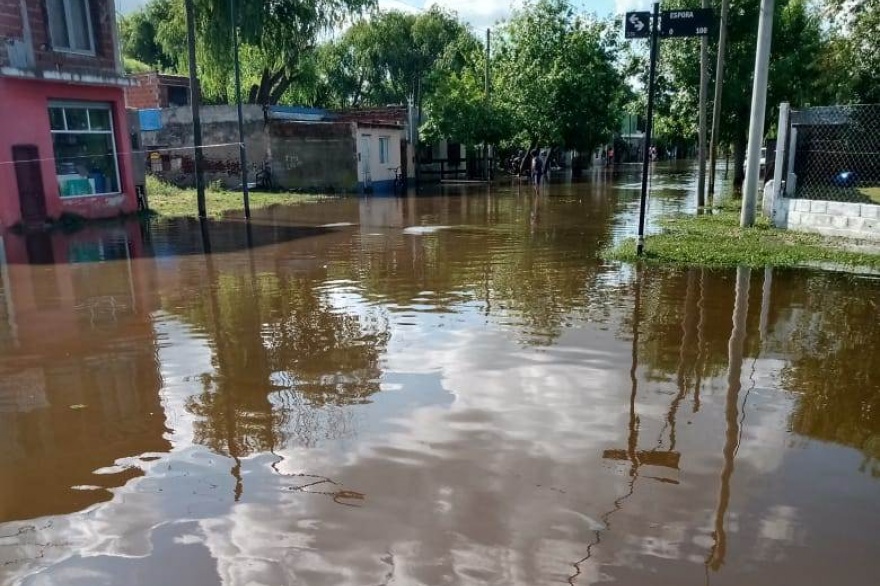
(169, 201)
(716, 240)
(872, 193)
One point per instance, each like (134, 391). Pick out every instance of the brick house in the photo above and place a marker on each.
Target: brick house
(63, 133)
(153, 90)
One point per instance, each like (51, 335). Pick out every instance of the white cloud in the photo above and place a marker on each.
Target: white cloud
(399, 5)
(622, 6)
(126, 6)
(478, 14)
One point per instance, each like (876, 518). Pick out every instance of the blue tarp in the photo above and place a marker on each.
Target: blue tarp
(150, 119)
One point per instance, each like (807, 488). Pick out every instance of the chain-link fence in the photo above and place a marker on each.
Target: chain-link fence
(834, 153)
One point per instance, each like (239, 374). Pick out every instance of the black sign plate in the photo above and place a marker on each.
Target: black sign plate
(692, 22)
(637, 25)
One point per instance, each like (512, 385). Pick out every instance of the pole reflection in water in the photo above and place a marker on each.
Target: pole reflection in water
(735, 349)
(636, 458)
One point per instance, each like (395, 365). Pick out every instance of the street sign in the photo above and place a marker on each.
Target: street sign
(637, 25)
(693, 22)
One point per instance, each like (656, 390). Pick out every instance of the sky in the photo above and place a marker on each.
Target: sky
(479, 13)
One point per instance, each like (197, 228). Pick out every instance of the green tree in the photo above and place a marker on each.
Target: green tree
(853, 57)
(459, 110)
(155, 35)
(281, 34)
(556, 73)
(392, 57)
(277, 40)
(795, 75)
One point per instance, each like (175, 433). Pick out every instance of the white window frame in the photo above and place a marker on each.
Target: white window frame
(67, 22)
(384, 152)
(112, 132)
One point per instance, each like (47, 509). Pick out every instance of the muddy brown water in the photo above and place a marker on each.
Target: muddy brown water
(435, 390)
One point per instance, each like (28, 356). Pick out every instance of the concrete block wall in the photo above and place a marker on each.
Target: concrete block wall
(829, 218)
(302, 155)
(314, 156)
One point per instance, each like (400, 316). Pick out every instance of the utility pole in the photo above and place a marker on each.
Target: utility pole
(488, 104)
(417, 99)
(242, 152)
(704, 90)
(759, 106)
(195, 100)
(646, 160)
(719, 87)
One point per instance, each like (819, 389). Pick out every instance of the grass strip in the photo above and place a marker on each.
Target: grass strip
(169, 201)
(716, 240)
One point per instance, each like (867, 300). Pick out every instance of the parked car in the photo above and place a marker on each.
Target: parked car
(763, 163)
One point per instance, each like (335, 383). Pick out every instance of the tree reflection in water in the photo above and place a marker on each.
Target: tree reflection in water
(285, 361)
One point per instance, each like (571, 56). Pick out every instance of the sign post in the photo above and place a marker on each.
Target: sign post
(695, 22)
(646, 160)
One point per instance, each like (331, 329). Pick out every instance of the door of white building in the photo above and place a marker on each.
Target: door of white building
(365, 161)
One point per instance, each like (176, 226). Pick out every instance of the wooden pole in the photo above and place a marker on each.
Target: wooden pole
(704, 90)
(195, 101)
(716, 103)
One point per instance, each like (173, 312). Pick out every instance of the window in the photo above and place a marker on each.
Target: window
(70, 26)
(85, 148)
(384, 142)
(178, 95)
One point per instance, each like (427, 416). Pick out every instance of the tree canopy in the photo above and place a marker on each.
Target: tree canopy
(821, 53)
(555, 80)
(391, 57)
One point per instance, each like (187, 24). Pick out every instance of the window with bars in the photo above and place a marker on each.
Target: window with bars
(70, 26)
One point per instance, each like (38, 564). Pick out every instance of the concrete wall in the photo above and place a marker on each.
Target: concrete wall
(313, 156)
(829, 218)
(301, 155)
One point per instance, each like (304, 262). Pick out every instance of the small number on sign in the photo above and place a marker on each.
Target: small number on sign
(702, 30)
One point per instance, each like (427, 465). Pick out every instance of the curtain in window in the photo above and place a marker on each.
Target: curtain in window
(69, 24)
(79, 29)
(58, 24)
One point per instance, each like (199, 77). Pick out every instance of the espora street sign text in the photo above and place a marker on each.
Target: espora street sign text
(694, 22)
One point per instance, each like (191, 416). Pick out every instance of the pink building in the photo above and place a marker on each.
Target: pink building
(64, 138)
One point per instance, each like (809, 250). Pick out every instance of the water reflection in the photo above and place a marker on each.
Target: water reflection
(424, 390)
(79, 378)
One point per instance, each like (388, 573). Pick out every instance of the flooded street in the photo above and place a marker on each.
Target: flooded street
(448, 389)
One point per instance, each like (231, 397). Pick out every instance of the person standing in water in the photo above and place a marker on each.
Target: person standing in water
(537, 169)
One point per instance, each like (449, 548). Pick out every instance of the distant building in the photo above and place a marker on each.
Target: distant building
(157, 90)
(292, 148)
(63, 131)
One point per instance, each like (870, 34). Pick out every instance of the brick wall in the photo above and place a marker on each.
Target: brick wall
(151, 90)
(103, 62)
(10, 27)
(144, 94)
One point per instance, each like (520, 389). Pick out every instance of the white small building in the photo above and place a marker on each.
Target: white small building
(382, 154)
